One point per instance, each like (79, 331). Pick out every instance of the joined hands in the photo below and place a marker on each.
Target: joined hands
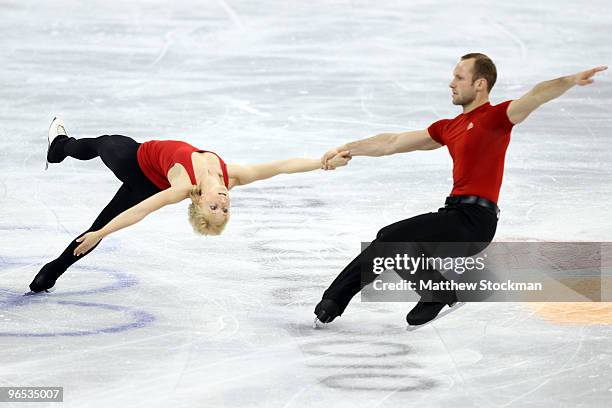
(335, 158)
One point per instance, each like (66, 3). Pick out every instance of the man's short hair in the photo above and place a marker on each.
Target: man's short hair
(483, 68)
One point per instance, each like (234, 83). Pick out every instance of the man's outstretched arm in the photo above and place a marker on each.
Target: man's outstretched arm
(384, 144)
(519, 109)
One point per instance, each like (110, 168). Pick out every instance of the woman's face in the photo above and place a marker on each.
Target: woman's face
(217, 203)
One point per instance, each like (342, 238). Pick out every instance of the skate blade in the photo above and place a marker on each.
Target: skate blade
(317, 324)
(31, 293)
(48, 143)
(455, 307)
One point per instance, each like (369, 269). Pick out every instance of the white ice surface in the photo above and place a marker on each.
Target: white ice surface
(157, 317)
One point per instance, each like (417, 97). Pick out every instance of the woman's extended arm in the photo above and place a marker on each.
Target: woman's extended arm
(130, 217)
(248, 174)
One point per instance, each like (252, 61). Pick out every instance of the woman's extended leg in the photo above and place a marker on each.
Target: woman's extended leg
(119, 154)
(124, 198)
(116, 151)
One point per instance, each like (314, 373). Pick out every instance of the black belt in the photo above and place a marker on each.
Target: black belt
(472, 199)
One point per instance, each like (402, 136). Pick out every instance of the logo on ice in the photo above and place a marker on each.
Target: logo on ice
(404, 262)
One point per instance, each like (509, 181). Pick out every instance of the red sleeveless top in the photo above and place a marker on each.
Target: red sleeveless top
(155, 158)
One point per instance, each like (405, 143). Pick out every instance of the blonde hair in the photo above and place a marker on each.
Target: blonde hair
(198, 218)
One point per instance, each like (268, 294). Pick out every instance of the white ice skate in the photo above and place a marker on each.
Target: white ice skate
(56, 129)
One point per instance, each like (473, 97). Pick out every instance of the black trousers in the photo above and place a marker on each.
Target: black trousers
(468, 223)
(118, 154)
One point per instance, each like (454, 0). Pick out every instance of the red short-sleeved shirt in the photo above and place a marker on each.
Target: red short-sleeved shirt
(477, 142)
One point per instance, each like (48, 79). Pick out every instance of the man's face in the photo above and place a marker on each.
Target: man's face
(464, 91)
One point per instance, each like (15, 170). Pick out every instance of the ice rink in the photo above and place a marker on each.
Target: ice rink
(159, 317)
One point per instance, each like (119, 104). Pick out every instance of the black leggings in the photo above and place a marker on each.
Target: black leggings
(468, 223)
(118, 154)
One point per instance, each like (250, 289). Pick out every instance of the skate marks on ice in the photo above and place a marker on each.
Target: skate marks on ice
(364, 358)
(356, 359)
(294, 259)
(298, 269)
(362, 362)
(28, 316)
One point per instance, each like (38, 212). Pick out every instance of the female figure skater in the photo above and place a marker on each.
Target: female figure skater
(155, 174)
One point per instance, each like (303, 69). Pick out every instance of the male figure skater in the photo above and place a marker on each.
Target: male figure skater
(477, 140)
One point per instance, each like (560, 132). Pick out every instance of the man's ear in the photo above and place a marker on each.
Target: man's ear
(481, 84)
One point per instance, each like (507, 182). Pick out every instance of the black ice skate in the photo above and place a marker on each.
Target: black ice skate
(427, 312)
(326, 311)
(45, 279)
(32, 293)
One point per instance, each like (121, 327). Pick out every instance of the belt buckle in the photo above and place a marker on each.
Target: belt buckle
(452, 200)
